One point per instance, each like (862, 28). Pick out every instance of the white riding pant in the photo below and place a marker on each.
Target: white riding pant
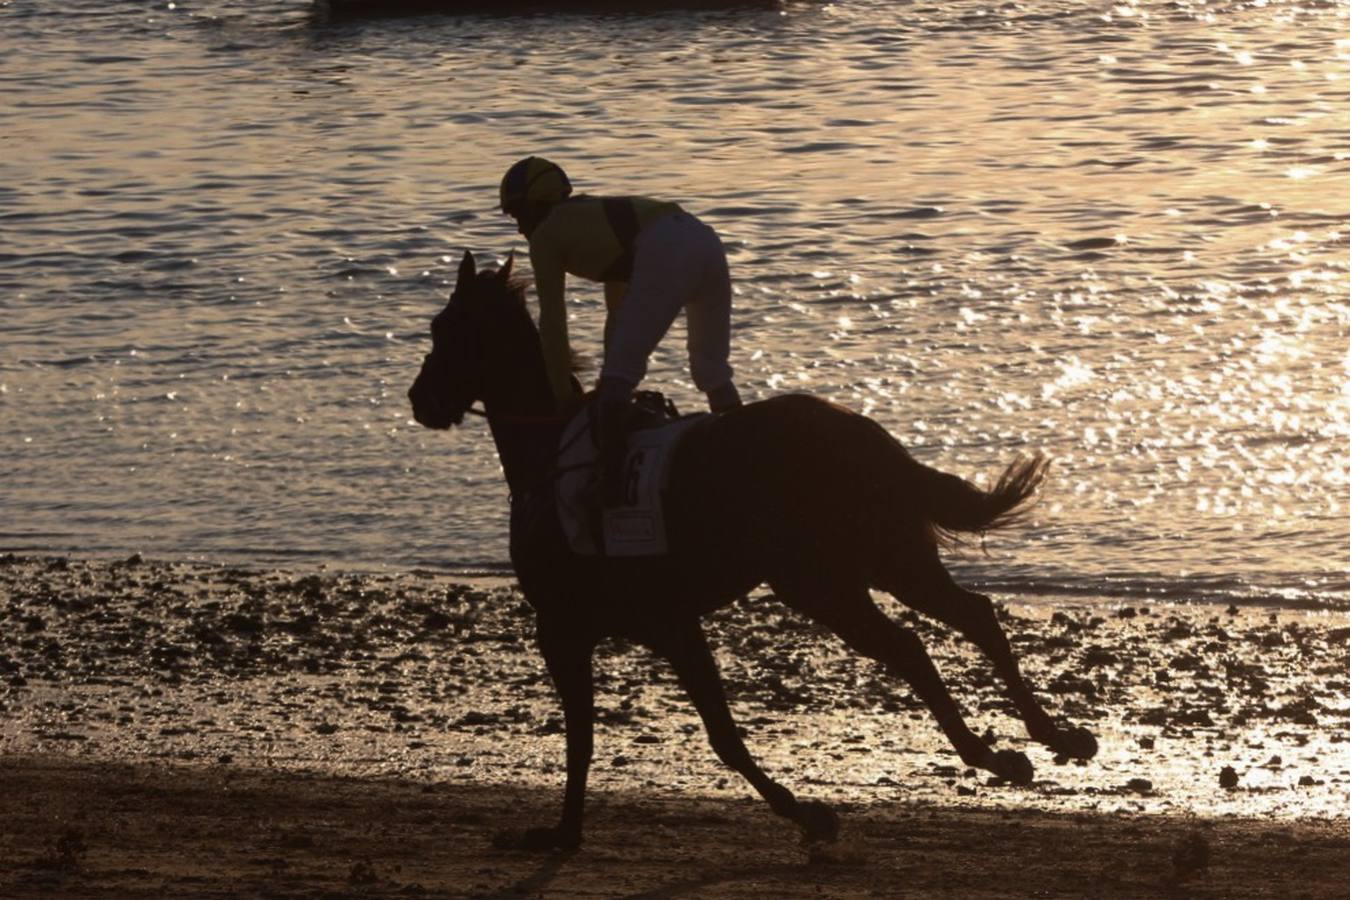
(678, 264)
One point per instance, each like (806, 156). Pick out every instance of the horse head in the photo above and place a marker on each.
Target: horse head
(470, 346)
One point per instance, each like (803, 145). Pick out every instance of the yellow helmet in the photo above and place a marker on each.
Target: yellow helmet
(533, 181)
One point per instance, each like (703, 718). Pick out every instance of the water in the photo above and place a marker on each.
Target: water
(1109, 231)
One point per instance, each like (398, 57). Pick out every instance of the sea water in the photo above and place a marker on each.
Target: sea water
(1113, 232)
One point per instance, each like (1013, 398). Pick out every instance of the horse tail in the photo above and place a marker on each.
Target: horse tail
(954, 505)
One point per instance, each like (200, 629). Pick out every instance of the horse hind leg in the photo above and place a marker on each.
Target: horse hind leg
(854, 617)
(928, 587)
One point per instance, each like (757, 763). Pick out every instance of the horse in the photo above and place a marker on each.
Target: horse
(818, 502)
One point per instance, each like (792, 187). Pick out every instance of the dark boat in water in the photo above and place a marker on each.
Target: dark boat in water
(372, 8)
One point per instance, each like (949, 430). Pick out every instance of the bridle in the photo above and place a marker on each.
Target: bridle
(519, 420)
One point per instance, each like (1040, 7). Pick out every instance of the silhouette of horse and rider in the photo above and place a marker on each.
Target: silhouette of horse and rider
(820, 503)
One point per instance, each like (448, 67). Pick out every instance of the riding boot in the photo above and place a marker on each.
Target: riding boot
(724, 397)
(613, 402)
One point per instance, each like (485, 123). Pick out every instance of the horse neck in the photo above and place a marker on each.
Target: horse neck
(527, 450)
(525, 428)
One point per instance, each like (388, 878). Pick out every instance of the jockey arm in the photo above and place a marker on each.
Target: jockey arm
(614, 294)
(550, 280)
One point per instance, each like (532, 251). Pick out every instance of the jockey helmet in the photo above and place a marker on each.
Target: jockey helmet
(534, 181)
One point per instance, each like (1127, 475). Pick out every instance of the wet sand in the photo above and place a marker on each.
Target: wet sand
(197, 730)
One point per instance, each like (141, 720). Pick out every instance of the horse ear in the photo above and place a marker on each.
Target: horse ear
(467, 269)
(505, 274)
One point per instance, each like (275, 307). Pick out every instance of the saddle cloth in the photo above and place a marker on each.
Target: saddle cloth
(638, 528)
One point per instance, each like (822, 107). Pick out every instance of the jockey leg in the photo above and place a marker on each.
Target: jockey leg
(679, 265)
(708, 316)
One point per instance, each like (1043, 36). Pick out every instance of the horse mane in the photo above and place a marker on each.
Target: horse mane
(516, 289)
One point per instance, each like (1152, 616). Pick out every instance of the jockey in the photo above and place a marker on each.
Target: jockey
(654, 260)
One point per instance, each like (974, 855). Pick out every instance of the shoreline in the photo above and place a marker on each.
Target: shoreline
(286, 563)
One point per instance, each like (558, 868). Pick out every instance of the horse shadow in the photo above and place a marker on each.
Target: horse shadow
(548, 871)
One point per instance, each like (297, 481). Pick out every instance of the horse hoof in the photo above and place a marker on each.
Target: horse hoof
(817, 821)
(1076, 743)
(1012, 765)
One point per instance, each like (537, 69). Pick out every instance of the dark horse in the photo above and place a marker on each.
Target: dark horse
(818, 502)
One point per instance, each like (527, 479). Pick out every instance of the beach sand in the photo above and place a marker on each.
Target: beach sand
(195, 730)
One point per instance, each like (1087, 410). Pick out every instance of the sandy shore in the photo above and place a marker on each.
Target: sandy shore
(197, 730)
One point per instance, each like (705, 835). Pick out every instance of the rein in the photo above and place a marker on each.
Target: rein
(519, 420)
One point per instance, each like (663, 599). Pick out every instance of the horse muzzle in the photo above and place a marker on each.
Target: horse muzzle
(432, 411)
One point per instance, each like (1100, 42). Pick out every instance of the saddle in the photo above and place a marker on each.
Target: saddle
(637, 527)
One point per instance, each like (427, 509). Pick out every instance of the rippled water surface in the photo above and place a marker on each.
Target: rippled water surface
(1112, 232)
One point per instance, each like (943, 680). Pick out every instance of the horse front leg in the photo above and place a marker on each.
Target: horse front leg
(687, 650)
(568, 656)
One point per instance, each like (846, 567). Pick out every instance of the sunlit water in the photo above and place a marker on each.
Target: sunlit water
(1112, 232)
